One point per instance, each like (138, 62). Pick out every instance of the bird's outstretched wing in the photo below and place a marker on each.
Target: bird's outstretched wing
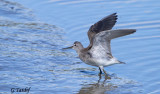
(101, 41)
(104, 24)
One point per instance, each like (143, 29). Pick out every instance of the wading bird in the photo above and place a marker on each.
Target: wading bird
(98, 53)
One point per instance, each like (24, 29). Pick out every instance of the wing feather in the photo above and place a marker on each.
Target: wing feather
(101, 41)
(104, 24)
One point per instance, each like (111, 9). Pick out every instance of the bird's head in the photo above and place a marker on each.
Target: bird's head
(76, 46)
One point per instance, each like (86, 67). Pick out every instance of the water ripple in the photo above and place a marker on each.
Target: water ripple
(31, 54)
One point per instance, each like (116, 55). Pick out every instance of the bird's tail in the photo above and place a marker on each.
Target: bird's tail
(120, 62)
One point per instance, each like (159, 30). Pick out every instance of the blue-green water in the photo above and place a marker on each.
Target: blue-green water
(33, 32)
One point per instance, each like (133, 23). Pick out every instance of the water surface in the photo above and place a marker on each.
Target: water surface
(33, 34)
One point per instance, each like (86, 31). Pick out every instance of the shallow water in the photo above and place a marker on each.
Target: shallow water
(33, 34)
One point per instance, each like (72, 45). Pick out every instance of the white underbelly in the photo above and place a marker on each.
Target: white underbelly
(101, 62)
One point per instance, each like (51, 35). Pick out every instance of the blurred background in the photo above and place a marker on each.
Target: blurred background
(33, 33)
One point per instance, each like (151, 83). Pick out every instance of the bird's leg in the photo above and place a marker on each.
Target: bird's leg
(105, 72)
(106, 75)
(100, 71)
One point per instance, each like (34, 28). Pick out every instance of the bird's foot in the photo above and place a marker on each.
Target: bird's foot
(107, 77)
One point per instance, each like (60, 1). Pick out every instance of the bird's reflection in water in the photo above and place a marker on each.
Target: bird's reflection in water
(100, 87)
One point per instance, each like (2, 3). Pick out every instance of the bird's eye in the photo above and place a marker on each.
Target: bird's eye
(74, 44)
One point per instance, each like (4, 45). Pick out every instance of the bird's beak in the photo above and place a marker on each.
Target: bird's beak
(68, 47)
